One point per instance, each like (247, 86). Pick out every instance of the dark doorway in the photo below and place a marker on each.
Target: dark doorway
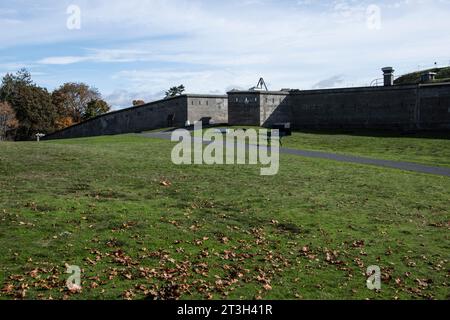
(170, 120)
(206, 121)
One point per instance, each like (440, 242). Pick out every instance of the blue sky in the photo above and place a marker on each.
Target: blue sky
(138, 48)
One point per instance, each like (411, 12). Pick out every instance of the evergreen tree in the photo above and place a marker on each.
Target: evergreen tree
(175, 91)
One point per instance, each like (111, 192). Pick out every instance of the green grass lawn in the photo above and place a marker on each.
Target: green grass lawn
(425, 148)
(143, 228)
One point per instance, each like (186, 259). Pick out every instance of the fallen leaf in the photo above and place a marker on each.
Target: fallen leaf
(8, 288)
(165, 183)
(74, 288)
(267, 287)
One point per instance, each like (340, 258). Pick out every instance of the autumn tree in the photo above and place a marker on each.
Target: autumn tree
(96, 108)
(137, 103)
(34, 110)
(175, 91)
(8, 120)
(38, 111)
(72, 100)
(63, 122)
(32, 104)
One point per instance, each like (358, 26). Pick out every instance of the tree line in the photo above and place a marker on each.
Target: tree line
(27, 109)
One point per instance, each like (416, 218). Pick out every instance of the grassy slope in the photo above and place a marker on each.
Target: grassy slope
(425, 148)
(442, 75)
(428, 150)
(309, 232)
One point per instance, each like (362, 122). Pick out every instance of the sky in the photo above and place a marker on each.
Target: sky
(137, 49)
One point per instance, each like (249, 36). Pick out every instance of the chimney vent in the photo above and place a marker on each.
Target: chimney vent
(428, 77)
(388, 74)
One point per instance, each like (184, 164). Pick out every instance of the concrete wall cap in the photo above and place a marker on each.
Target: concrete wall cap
(260, 92)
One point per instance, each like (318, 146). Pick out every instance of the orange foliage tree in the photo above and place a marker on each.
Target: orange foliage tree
(137, 103)
(8, 120)
(64, 122)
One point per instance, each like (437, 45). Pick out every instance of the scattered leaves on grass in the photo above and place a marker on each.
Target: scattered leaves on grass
(165, 183)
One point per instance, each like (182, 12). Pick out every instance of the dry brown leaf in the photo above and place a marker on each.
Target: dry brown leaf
(267, 287)
(165, 183)
(8, 288)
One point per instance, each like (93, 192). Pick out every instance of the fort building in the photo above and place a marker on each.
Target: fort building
(421, 106)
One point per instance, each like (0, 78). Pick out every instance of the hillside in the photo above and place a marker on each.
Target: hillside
(141, 227)
(442, 75)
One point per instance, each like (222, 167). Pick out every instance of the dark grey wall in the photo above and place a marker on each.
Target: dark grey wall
(434, 107)
(244, 108)
(371, 107)
(396, 107)
(146, 117)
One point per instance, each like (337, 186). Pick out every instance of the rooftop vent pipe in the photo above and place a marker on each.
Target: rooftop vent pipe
(388, 74)
(428, 77)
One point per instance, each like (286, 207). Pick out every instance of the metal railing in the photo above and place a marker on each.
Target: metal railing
(380, 82)
(377, 82)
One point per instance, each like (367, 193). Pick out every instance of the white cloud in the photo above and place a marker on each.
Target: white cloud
(98, 55)
(122, 98)
(63, 60)
(212, 46)
(329, 82)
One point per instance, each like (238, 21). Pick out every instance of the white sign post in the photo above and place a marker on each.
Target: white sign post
(39, 136)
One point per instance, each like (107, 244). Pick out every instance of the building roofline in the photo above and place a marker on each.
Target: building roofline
(378, 88)
(346, 89)
(196, 95)
(434, 84)
(259, 92)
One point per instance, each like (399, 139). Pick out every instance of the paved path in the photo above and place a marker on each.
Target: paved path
(407, 166)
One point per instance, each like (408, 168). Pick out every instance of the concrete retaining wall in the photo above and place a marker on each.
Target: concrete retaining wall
(173, 112)
(275, 108)
(258, 108)
(397, 107)
(434, 107)
(413, 107)
(213, 108)
(244, 108)
(371, 108)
